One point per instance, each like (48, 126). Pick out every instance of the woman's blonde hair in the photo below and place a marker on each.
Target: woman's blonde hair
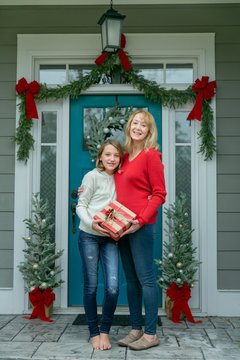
(151, 139)
(117, 145)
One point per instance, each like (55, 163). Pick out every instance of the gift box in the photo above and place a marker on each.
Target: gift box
(115, 218)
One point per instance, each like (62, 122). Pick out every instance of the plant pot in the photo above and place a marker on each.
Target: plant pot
(169, 306)
(48, 309)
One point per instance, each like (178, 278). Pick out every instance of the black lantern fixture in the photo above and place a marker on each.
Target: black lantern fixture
(111, 29)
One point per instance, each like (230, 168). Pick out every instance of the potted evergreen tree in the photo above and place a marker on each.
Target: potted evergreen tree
(178, 265)
(39, 268)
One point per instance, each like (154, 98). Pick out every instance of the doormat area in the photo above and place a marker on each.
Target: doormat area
(120, 320)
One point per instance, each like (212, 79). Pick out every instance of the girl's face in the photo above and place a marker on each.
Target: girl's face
(138, 128)
(110, 159)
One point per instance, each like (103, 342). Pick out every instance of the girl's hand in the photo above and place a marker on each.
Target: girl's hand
(80, 190)
(96, 225)
(133, 228)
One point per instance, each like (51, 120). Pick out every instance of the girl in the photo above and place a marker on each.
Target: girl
(95, 244)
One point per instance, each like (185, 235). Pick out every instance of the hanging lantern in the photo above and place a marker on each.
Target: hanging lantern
(111, 29)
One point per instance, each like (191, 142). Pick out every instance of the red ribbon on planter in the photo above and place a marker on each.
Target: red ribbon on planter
(32, 89)
(38, 300)
(205, 90)
(180, 298)
(121, 53)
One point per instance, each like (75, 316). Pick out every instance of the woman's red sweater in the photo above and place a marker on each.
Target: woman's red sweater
(139, 178)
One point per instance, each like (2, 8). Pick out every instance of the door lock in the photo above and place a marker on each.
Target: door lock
(74, 194)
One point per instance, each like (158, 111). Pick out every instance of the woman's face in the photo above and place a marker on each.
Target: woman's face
(110, 159)
(138, 128)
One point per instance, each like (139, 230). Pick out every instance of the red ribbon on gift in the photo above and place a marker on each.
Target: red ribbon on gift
(205, 90)
(180, 298)
(38, 300)
(121, 53)
(32, 89)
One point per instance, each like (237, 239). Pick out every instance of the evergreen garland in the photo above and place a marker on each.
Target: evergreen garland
(172, 98)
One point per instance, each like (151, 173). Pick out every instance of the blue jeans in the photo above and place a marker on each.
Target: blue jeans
(137, 258)
(92, 249)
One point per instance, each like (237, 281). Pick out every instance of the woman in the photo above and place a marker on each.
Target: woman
(140, 186)
(95, 244)
(141, 175)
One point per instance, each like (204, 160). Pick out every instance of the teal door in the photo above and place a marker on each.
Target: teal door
(80, 163)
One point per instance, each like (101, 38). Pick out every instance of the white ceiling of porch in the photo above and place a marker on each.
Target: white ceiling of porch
(115, 2)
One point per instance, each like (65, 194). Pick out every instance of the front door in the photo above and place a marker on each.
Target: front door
(80, 163)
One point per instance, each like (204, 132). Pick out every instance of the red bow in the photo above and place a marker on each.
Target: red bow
(38, 300)
(32, 91)
(180, 298)
(205, 90)
(121, 53)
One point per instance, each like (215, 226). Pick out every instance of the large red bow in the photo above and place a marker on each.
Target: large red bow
(32, 89)
(205, 90)
(38, 300)
(180, 298)
(121, 53)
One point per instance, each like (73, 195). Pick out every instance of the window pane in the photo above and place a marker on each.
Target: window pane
(183, 128)
(89, 115)
(53, 74)
(48, 180)
(49, 127)
(179, 73)
(183, 173)
(153, 74)
(93, 115)
(76, 71)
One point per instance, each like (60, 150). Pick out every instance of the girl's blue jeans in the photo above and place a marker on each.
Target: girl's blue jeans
(93, 249)
(137, 254)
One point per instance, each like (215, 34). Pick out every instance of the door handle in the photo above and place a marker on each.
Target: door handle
(73, 209)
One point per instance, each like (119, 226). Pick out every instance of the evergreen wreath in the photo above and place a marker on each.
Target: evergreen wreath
(172, 98)
(114, 119)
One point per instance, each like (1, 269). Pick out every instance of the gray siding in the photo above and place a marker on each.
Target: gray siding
(223, 20)
(7, 129)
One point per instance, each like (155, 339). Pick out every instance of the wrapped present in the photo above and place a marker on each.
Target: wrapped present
(115, 218)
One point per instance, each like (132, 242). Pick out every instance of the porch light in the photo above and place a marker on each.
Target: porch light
(111, 29)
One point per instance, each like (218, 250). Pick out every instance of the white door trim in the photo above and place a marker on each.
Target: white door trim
(142, 48)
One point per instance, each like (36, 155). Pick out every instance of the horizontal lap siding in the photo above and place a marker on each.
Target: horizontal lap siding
(8, 60)
(223, 20)
(228, 143)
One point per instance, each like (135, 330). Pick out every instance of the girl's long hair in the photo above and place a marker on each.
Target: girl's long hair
(151, 139)
(117, 145)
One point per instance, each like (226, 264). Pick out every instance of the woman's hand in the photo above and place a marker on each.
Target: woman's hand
(96, 225)
(80, 190)
(133, 228)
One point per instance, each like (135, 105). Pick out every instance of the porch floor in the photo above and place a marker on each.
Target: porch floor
(216, 338)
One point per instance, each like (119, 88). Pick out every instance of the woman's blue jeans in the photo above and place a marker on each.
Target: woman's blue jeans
(93, 249)
(137, 252)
